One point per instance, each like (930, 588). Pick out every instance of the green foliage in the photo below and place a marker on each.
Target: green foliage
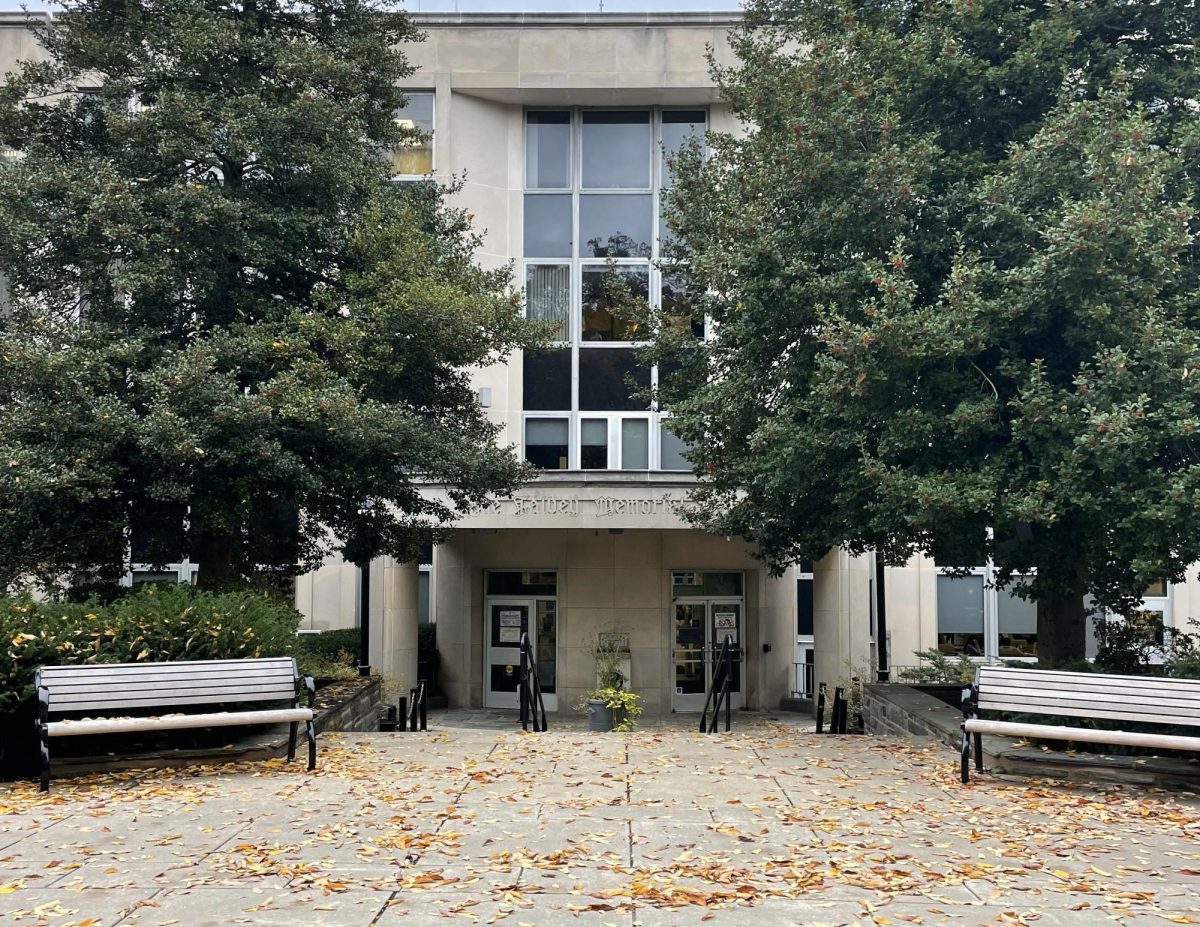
(936, 667)
(625, 705)
(224, 315)
(611, 653)
(328, 655)
(1135, 648)
(154, 624)
(951, 267)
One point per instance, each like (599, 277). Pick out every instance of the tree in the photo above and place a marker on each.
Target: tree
(230, 336)
(951, 270)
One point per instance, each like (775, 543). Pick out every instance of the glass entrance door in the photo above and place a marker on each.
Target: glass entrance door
(725, 621)
(691, 680)
(701, 626)
(507, 619)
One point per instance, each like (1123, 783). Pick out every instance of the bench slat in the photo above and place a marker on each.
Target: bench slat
(216, 692)
(125, 679)
(1111, 692)
(215, 719)
(233, 663)
(105, 685)
(1083, 735)
(1063, 678)
(1111, 714)
(102, 702)
(1005, 693)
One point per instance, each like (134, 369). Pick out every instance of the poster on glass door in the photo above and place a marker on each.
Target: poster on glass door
(725, 624)
(510, 627)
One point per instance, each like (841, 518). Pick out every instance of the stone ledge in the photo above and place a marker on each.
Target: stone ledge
(900, 710)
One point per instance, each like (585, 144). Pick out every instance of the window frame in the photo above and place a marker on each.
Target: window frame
(572, 436)
(433, 162)
(579, 263)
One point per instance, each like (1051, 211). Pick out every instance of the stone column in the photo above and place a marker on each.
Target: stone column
(841, 616)
(394, 623)
(452, 597)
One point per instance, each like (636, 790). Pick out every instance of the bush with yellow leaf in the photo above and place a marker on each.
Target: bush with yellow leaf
(154, 623)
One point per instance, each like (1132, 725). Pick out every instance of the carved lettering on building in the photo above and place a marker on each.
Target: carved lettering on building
(612, 506)
(523, 505)
(601, 507)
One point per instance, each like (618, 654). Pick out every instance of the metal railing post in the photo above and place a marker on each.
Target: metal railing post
(523, 682)
(728, 680)
(821, 709)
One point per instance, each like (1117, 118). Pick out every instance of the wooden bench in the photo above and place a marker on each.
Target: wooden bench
(1152, 699)
(108, 690)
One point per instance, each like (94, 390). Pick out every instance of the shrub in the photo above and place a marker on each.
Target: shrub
(329, 655)
(936, 667)
(1134, 648)
(154, 623)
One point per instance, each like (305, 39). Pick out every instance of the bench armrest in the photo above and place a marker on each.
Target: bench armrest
(970, 701)
(311, 687)
(43, 709)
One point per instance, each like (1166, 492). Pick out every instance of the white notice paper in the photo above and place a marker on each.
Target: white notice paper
(510, 626)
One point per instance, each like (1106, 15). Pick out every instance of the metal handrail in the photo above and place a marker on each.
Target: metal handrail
(533, 709)
(806, 680)
(721, 688)
(417, 713)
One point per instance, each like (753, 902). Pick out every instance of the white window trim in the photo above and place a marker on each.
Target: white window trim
(185, 571)
(433, 147)
(991, 613)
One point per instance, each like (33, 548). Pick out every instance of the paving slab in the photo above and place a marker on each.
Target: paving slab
(768, 826)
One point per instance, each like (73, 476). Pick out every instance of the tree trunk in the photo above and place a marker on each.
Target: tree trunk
(1061, 627)
(213, 553)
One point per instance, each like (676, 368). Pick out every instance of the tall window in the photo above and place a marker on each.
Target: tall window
(593, 179)
(414, 156)
(977, 619)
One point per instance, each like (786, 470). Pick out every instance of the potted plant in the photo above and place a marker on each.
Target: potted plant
(612, 709)
(610, 706)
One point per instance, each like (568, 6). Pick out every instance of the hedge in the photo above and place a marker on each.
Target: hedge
(155, 623)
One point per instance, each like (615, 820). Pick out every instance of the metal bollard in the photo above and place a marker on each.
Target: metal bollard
(821, 709)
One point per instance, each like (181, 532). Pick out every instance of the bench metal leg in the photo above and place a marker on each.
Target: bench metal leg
(292, 740)
(979, 752)
(312, 746)
(966, 757)
(45, 750)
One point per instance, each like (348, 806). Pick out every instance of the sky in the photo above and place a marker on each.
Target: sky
(525, 6)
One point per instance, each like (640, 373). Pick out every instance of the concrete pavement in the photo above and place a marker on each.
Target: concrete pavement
(767, 826)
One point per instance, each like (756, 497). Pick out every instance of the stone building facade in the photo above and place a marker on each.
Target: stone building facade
(557, 124)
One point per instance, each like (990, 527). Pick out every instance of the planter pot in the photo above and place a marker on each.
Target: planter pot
(601, 718)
